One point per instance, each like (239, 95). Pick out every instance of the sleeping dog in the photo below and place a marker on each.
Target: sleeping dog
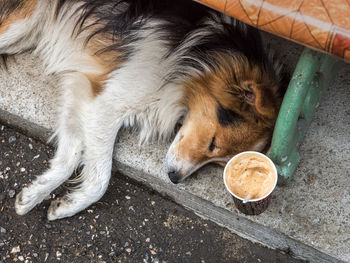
(145, 64)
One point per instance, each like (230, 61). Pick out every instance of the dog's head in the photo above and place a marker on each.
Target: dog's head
(232, 108)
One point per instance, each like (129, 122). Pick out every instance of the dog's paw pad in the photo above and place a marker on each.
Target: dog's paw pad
(59, 208)
(25, 201)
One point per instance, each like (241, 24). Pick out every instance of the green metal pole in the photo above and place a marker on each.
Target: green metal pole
(312, 76)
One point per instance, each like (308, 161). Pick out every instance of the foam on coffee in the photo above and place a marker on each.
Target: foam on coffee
(250, 175)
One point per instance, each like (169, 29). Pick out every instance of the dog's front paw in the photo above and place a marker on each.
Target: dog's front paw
(27, 199)
(60, 208)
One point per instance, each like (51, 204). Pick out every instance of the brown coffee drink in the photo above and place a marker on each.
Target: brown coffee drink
(250, 176)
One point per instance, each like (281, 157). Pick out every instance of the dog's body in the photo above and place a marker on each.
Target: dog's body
(144, 64)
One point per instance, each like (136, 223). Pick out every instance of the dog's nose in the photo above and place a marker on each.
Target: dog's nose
(174, 177)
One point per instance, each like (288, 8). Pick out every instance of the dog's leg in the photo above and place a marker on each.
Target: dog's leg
(100, 130)
(70, 145)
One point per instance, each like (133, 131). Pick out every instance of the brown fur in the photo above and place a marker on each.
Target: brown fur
(105, 61)
(226, 86)
(231, 80)
(23, 11)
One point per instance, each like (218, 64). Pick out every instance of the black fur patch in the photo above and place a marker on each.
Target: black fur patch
(122, 20)
(228, 117)
(235, 36)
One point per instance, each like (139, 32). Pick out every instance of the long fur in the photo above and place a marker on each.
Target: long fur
(137, 64)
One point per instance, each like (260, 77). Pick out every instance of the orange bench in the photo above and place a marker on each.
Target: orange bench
(320, 24)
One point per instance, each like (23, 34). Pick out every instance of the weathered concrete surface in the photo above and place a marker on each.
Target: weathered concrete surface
(310, 216)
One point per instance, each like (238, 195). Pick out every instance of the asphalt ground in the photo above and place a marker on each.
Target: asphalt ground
(131, 223)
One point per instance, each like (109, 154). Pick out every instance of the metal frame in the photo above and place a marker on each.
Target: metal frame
(313, 74)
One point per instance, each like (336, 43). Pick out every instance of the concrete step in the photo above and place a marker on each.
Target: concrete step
(309, 217)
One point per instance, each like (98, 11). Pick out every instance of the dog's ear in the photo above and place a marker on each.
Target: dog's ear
(262, 98)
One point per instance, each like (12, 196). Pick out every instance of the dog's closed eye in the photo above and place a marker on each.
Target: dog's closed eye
(212, 144)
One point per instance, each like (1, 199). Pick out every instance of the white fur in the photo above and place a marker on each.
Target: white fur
(134, 95)
(185, 167)
(27, 31)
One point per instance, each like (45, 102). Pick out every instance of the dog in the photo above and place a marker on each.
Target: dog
(146, 64)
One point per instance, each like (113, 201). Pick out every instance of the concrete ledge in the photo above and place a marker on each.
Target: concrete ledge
(309, 217)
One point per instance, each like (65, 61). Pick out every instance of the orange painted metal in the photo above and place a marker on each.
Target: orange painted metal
(320, 24)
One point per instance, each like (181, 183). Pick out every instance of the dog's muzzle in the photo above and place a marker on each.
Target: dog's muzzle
(177, 168)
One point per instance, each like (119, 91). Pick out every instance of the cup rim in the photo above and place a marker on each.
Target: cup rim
(250, 152)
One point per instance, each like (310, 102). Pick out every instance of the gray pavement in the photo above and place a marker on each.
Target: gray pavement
(131, 223)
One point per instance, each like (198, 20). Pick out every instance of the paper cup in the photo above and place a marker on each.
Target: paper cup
(254, 206)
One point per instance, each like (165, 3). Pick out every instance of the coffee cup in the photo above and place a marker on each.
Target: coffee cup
(250, 177)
